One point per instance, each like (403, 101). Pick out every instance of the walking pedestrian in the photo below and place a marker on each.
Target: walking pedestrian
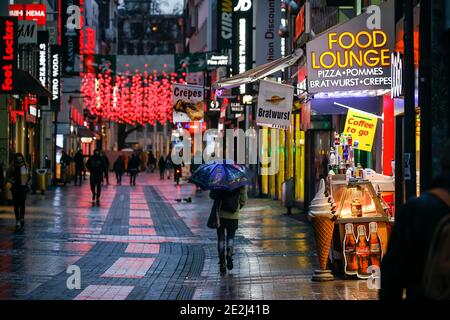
(119, 169)
(151, 163)
(79, 165)
(133, 168)
(229, 204)
(105, 161)
(412, 262)
(161, 167)
(169, 165)
(95, 167)
(64, 162)
(19, 178)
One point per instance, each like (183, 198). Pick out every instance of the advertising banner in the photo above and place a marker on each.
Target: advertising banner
(354, 55)
(363, 252)
(27, 32)
(55, 77)
(70, 40)
(268, 42)
(8, 54)
(187, 103)
(362, 127)
(191, 62)
(274, 107)
(43, 63)
(224, 25)
(30, 12)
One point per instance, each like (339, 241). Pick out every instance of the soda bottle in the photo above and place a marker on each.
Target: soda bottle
(351, 262)
(362, 252)
(375, 245)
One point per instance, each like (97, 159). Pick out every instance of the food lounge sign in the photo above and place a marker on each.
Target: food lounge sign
(8, 54)
(355, 55)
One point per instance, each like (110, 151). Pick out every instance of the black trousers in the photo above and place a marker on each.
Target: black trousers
(96, 186)
(225, 235)
(19, 195)
(106, 176)
(78, 174)
(118, 178)
(133, 174)
(161, 174)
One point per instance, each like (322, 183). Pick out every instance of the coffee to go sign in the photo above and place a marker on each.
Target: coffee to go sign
(8, 54)
(355, 55)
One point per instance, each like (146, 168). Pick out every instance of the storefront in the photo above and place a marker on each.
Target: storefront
(350, 144)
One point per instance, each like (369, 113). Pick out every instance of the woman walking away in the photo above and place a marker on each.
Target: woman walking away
(230, 203)
(19, 178)
(95, 167)
(162, 167)
(119, 169)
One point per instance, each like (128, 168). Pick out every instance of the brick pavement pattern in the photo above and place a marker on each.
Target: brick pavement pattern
(142, 242)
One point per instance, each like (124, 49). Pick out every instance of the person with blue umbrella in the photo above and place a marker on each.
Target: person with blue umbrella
(228, 184)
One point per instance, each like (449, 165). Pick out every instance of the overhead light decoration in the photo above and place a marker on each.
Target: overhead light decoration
(137, 98)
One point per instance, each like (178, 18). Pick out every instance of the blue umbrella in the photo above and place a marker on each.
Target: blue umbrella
(217, 175)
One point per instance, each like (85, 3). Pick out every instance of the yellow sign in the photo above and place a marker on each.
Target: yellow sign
(361, 127)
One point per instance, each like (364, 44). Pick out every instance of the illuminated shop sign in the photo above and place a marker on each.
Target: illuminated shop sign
(225, 24)
(33, 12)
(43, 57)
(8, 54)
(217, 60)
(355, 55)
(397, 75)
(55, 77)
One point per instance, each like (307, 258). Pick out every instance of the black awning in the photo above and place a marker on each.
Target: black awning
(27, 84)
(84, 132)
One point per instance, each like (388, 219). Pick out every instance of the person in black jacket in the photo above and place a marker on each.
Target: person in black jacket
(19, 178)
(119, 169)
(133, 168)
(95, 167)
(79, 164)
(105, 161)
(402, 268)
(162, 167)
(65, 163)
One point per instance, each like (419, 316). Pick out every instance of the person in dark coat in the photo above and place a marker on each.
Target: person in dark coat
(105, 161)
(65, 162)
(95, 167)
(151, 163)
(19, 178)
(162, 167)
(402, 268)
(79, 164)
(119, 169)
(169, 165)
(133, 168)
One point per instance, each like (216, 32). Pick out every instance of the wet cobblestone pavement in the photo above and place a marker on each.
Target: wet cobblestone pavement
(141, 243)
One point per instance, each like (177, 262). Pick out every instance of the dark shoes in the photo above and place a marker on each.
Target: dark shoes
(229, 258)
(22, 222)
(222, 266)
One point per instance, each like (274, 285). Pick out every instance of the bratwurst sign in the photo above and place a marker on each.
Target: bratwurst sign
(354, 55)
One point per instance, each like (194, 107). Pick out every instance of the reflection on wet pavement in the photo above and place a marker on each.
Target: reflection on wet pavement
(141, 243)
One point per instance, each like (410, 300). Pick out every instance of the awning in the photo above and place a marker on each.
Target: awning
(27, 84)
(259, 72)
(84, 132)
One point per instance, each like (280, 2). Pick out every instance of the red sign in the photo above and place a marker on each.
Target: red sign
(300, 23)
(36, 12)
(8, 53)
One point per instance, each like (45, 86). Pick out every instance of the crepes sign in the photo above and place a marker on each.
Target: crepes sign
(187, 103)
(274, 107)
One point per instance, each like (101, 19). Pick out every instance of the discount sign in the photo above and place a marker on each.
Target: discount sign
(361, 127)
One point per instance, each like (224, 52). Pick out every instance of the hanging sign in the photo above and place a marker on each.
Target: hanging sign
(274, 107)
(27, 32)
(8, 54)
(187, 103)
(30, 12)
(362, 127)
(55, 77)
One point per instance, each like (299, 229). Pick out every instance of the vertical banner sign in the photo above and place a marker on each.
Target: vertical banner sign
(27, 32)
(187, 103)
(43, 64)
(274, 106)
(70, 39)
(55, 77)
(268, 42)
(362, 127)
(224, 25)
(242, 56)
(8, 54)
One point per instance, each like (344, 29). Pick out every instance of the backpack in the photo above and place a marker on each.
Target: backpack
(436, 279)
(230, 200)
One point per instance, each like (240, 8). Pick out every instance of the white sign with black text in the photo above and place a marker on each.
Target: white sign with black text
(274, 107)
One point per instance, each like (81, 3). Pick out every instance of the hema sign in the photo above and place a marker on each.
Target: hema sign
(354, 55)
